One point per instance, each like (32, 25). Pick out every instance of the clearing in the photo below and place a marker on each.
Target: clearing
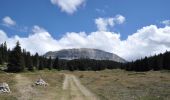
(88, 85)
(127, 85)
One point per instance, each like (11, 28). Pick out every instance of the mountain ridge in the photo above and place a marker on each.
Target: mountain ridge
(85, 53)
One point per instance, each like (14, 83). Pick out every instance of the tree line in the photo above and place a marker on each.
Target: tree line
(156, 62)
(18, 60)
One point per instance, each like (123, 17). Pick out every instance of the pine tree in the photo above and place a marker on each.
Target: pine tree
(28, 62)
(166, 60)
(49, 65)
(16, 60)
(1, 54)
(5, 51)
(1, 62)
(56, 64)
(36, 61)
(40, 67)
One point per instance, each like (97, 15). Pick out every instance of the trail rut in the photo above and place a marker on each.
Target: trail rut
(24, 87)
(74, 90)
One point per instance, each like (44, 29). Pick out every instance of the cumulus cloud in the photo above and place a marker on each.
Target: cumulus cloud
(103, 24)
(68, 6)
(146, 41)
(3, 36)
(8, 21)
(166, 22)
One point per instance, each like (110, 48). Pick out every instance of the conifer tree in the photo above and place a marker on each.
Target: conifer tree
(16, 60)
(1, 54)
(49, 65)
(56, 64)
(28, 62)
(36, 61)
(1, 62)
(166, 60)
(5, 52)
(41, 64)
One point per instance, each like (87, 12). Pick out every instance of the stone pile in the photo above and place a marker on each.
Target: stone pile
(4, 88)
(41, 82)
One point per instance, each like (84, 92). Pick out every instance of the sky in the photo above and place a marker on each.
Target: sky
(131, 29)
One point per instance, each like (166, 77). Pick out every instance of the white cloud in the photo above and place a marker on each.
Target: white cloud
(3, 36)
(103, 24)
(119, 19)
(8, 21)
(68, 6)
(166, 22)
(147, 41)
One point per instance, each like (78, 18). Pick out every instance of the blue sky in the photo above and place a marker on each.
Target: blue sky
(138, 13)
(59, 20)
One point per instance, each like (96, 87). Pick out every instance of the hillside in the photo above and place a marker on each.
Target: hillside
(70, 54)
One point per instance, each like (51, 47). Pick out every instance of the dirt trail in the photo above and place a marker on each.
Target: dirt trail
(24, 88)
(74, 90)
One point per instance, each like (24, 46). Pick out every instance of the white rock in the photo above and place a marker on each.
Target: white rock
(41, 82)
(4, 88)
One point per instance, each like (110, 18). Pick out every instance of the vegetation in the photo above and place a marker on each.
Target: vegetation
(156, 62)
(18, 60)
(119, 84)
(22, 85)
(21, 60)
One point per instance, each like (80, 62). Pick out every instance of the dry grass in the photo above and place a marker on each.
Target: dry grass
(51, 92)
(123, 85)
(8, 78)
(107, 84)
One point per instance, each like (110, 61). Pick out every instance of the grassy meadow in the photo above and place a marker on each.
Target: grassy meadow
(108, 84)
(23, 84)
(124, 85)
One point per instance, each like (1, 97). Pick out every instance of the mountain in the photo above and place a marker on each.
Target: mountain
(70, 54)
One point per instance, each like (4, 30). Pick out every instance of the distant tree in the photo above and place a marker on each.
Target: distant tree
(1, 62)
(56, 63)
(45, 62)
(16, 60)
(5, 52)
(41, 65)
(1, 54)
(28, 62)
(157, 62)
(49, 65)
(36, 60)
(166, 60)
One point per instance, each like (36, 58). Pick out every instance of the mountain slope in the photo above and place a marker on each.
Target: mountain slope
(70, 54)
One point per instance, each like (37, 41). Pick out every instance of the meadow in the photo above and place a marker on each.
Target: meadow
(107, 84)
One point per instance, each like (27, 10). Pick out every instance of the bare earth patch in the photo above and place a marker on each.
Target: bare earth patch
(24, 87)
(74, 90)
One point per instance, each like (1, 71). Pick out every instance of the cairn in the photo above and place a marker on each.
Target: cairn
(4, 88)
(41, 82)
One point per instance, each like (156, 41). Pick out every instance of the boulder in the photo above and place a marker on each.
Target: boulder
(41, 82)
(4, 88)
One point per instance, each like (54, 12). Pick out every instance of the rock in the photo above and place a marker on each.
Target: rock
(41, 82)
(84, 53)
(4, 88)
